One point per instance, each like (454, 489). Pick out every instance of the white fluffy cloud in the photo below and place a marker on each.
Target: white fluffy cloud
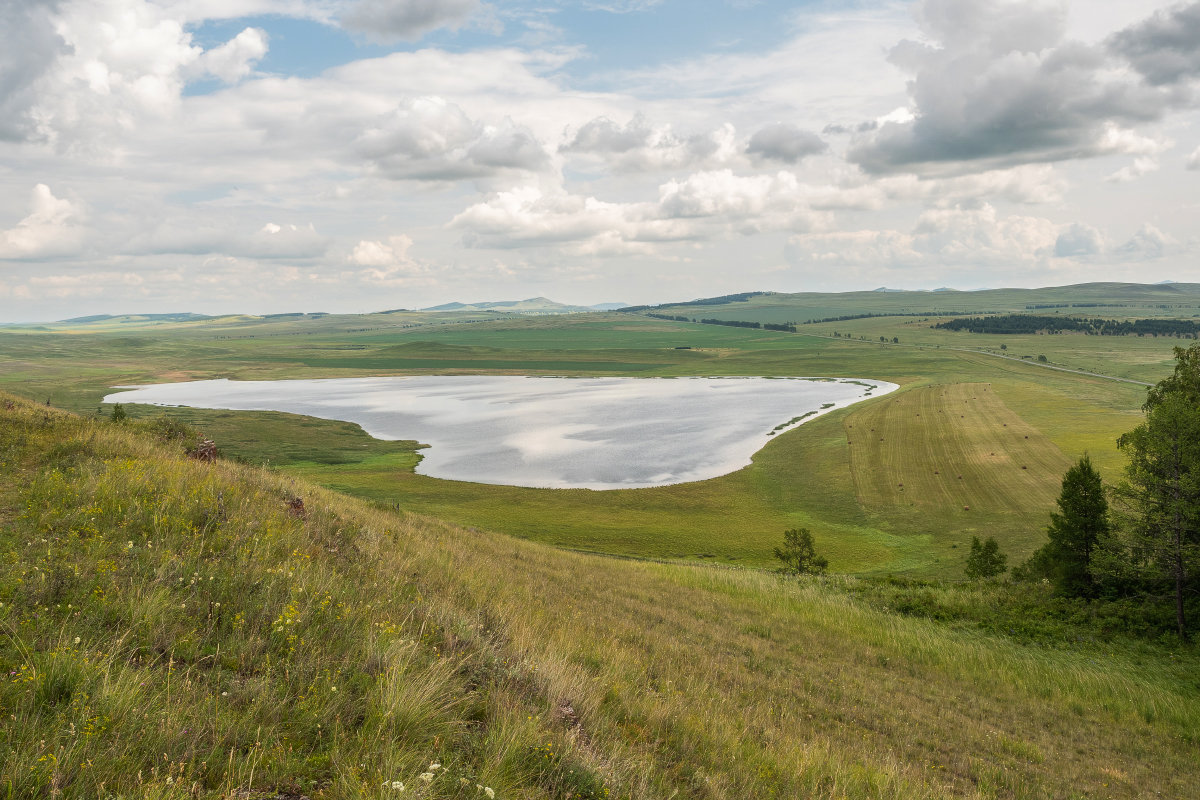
(431, 139)
(234, 60)
(704, 205)
(51, 229)
(91, 69)
(387, 262)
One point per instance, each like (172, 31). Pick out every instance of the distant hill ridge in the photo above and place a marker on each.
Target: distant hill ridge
(532, 305)
(802, 306)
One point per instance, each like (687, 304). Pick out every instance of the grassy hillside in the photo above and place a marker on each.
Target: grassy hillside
(177, 628)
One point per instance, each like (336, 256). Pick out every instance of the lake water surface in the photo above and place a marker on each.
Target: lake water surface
(594, 433)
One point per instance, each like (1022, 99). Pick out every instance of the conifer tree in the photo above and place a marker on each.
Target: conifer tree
(1075, 532)
(1162, 489)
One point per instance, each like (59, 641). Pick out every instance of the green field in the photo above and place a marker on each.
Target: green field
(821, 475)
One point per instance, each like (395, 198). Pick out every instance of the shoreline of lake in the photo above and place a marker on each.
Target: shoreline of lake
(547, 432)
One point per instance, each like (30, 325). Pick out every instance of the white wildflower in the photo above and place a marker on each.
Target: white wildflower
(489, 792)
(397, 786)
(426, 776)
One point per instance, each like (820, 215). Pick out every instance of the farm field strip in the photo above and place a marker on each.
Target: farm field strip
(955, 446)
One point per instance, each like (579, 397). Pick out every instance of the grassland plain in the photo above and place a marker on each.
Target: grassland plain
(172, 630)
(805, 477)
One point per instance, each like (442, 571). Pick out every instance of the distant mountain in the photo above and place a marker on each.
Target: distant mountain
(182, 317)
(533, 305)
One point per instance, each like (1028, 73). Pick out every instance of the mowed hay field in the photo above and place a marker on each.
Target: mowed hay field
(952, 447)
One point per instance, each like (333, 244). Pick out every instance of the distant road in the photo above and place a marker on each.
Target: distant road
(1046, 366)
(982, 353)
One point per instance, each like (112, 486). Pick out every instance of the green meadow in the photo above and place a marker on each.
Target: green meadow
(818, 475)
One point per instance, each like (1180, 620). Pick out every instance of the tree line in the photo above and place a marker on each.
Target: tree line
(1141, 537)
(1136, 542)
(732, 323)
(1031, 323)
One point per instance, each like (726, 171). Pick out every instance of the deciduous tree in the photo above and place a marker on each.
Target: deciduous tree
(985, 559)
(799, 554)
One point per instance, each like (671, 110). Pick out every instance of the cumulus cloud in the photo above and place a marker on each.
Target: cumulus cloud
(784, 142)
(702, 206)
(234, 60)
(84, 70)
(1146, 244)
(639, 146)
(51, 229)
(409, 20)
(1002, 86)
(752, 203)
(1165, 48)
(528, 216)
(430, 138)
(1078, 240)
(386, 262)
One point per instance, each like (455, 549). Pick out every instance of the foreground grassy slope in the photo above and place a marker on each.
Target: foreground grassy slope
(171, 630)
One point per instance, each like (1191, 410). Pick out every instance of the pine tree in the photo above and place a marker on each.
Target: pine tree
(1066, 560)
(1162, 490)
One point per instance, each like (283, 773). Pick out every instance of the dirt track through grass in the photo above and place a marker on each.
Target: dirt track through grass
(952, 446)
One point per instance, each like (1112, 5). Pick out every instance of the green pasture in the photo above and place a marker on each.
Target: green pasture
(811, 476)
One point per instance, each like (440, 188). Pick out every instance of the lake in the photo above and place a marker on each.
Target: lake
(594, 433)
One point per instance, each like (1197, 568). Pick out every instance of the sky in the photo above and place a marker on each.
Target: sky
(263, 156)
